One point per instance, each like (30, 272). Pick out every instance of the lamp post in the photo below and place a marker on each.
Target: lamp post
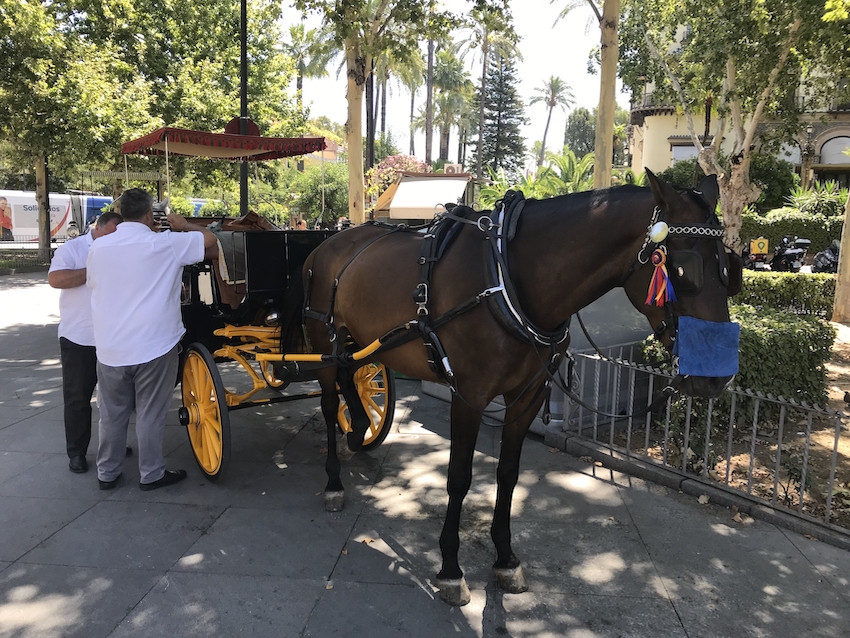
(806, 165)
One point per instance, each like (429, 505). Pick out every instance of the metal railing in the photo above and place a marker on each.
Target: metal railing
(23, 252)
(776, 453)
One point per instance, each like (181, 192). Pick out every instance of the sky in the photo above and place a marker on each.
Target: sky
(547, 49)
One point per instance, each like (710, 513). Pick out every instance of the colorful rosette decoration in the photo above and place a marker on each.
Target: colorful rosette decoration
(660, 286)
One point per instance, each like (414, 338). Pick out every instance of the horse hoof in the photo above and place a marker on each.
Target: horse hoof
(454, 592)
(511, 579)
(355, 441)
(334, 501)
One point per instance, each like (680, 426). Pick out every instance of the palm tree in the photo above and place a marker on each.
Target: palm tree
(412, 76)
(491, 38)
(554, 92)
(450, 80)
(567, 173)
(311, 50)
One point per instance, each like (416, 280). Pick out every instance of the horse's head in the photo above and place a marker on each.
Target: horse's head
(682, 282)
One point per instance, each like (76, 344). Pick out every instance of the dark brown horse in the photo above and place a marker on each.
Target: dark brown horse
(564, 253)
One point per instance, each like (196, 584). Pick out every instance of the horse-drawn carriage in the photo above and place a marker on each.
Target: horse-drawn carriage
(253, 319)
(245, 309)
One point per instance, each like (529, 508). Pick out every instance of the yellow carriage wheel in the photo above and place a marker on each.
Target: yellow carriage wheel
(376, 387)
(205, 413)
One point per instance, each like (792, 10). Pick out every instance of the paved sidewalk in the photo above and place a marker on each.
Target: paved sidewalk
(255, 554)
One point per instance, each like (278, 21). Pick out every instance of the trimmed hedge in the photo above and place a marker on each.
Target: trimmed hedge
(783, 353)
(802, 293)
(784, 222)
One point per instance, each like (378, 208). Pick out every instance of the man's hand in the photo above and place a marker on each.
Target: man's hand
(178, 222)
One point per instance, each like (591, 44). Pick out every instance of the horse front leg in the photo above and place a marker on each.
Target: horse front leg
(334, 495)
(465, 422)
(518, 417)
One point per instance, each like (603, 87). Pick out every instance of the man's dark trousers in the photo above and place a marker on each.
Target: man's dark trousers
(79, 378)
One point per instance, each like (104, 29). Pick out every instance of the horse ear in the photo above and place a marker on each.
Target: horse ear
(710, 190)
(662, 191)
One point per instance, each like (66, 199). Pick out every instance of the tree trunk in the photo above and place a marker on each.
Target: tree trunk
(429, 104)
(42, 197)
(356, 78)
(543, 142)
(841, 305)
(412, 113)
(607, 100)
(384, 104)
(445, 131)
(370, 121)
(485, 53)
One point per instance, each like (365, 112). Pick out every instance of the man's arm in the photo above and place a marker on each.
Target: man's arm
(180, 223)
(67, 278)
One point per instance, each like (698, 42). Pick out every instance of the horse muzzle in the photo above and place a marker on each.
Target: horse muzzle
(702, 387)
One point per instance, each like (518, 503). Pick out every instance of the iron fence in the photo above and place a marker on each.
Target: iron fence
(23, 253)
(775, 457)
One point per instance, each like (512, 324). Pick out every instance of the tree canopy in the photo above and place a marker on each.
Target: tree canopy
(745, 63)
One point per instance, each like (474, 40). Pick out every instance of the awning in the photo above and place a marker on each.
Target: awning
(227, 146)
(417, 195)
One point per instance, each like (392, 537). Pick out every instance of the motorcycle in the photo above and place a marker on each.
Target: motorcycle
(755, 255)
(789, 254)
(827, 260)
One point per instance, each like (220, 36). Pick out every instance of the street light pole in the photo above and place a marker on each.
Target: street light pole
(243, 105)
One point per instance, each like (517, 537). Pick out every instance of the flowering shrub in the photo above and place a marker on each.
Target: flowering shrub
(385, 173)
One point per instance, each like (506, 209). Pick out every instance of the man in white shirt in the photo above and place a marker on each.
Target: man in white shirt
(76, 337)
(135, 275)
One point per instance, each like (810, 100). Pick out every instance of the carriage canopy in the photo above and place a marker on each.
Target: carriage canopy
(227, 146)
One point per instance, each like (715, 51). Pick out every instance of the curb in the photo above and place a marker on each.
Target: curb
(756, 508)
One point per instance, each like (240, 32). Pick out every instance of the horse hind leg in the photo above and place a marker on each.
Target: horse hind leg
(359, 418)
(334, 494)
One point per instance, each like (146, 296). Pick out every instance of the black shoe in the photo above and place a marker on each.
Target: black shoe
(108, 485)
(78, 464)
(169, 478)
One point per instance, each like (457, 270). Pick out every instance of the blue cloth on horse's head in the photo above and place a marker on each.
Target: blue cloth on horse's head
(707, 348)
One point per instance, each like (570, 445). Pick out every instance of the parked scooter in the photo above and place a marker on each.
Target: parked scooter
(827, 260)
(755, 255)
(789, 254)
(755, 261)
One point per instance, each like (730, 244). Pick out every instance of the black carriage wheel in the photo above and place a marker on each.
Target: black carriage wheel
(205, 413)
(376, 386)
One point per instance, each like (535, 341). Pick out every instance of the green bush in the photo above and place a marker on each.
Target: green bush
(781, 353)
(825, 199)
(801, 293)
(773, 176)
(785, 222)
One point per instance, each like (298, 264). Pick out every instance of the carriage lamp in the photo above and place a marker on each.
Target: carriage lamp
(272, 318)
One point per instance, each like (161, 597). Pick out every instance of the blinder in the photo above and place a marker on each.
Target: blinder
(686, 265)
(686, 272)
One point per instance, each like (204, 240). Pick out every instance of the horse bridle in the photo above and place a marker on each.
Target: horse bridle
(685, 264)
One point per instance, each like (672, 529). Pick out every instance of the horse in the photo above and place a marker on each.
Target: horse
(488, 313)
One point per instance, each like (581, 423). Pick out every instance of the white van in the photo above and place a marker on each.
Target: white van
(24, 213)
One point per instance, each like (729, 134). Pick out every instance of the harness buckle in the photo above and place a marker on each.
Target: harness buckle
(421, 298)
